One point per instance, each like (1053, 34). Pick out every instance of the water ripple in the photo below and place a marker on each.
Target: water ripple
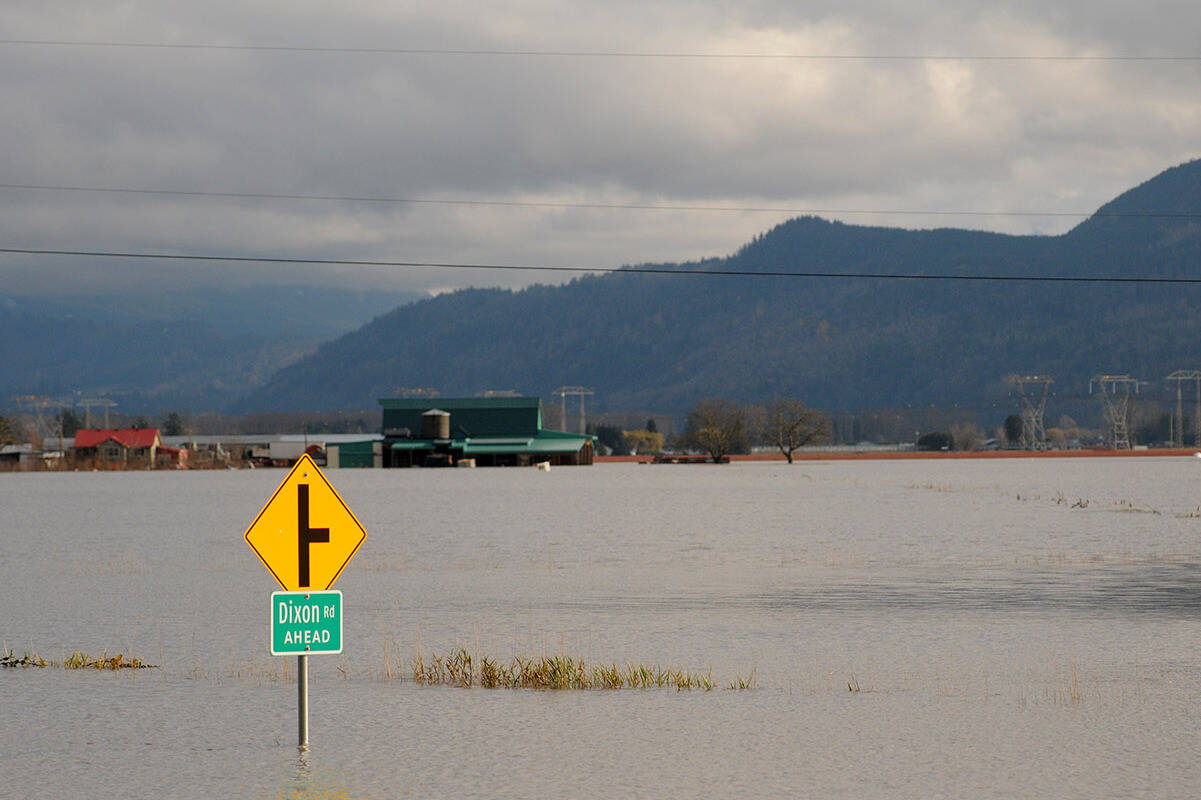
(1170, 590)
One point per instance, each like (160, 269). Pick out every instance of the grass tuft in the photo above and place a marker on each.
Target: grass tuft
(555, 673)
(7, 659)
(750, 682)
(78, 660)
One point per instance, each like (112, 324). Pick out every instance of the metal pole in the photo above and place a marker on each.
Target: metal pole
(1196, 420)
(302, 700)
(1179, 428)
(1172, 431)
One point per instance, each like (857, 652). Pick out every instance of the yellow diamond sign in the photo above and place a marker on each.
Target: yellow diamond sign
(305, 534)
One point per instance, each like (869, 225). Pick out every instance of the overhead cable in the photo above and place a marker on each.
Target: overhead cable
(633, 54)
(630, 270)
(550, 204)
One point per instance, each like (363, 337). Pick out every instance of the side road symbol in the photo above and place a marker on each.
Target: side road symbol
(305, 511)
(305, 535)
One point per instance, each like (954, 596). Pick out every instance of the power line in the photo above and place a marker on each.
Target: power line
(596, 206)
(638, 270)
(616, 54)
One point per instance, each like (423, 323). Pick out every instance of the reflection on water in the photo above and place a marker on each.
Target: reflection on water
(1167, 590)
(1016, 628)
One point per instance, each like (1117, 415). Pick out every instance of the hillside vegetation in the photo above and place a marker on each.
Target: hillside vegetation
(664, 341)
(196, 349)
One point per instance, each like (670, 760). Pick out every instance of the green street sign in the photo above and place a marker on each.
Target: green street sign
(304, 623)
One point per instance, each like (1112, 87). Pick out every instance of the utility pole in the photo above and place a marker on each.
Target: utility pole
(1034, 405)
(1115, 398)
(576, 391)
(1180, 376)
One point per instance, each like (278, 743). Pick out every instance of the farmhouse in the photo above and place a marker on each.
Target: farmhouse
(125, 447)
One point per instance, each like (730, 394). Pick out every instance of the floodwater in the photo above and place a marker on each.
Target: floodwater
(913, 629)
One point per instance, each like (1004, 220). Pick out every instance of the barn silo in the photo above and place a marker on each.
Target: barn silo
(435, 424)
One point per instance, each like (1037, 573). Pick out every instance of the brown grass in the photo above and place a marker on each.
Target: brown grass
(554, 673)
(76, 660)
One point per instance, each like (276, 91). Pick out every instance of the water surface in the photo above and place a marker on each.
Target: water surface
(1013, 629)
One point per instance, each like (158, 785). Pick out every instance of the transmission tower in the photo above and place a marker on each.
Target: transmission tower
(1115, 397)
(407, 392)
(47, 426)
(88, 402)
(575, 391)
(1180, 376)
(1034, 405)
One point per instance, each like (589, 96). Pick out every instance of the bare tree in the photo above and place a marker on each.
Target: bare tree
(788, 424)
(718, 427)
(967, 436)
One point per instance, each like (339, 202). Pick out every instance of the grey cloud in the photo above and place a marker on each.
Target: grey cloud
(988, 136)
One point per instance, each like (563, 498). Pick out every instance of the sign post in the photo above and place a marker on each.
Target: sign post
(305, 536)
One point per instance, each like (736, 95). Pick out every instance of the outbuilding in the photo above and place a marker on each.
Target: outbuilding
(486, 431)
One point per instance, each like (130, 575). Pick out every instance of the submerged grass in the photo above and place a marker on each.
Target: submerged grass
(553, 673)
(79, 660)
(8, 659)
(76, 660)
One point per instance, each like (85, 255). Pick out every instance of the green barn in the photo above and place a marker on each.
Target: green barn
(484, 431)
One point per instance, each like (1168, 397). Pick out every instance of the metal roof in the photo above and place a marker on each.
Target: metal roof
(538, 444)
(128, 437)
(413, 444)
(264, 439)
(504, 445)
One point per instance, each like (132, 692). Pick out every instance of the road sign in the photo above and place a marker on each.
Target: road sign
(305, 535)
(304, 623)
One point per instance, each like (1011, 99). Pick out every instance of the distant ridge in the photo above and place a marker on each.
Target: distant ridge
(1175, 191)
(663, 342)
(153, 350)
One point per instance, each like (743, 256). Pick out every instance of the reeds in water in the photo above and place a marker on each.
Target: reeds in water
(8, 659)
(76, 660)
(553, 673)
(750, 682)
(1068, 693)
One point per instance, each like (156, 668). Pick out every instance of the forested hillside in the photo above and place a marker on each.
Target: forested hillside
(197, 349)
(663, 341)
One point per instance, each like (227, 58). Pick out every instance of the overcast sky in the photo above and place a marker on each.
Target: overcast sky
(842, 137)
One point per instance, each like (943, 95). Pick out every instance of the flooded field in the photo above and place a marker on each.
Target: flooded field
(1013, 628)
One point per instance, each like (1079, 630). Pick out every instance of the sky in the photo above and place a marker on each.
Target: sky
(572, 134)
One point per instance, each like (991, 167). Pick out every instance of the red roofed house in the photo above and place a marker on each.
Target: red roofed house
(127, 446)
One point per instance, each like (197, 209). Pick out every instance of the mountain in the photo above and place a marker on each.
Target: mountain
(197, 350)
(842, 344)
(268, 311)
